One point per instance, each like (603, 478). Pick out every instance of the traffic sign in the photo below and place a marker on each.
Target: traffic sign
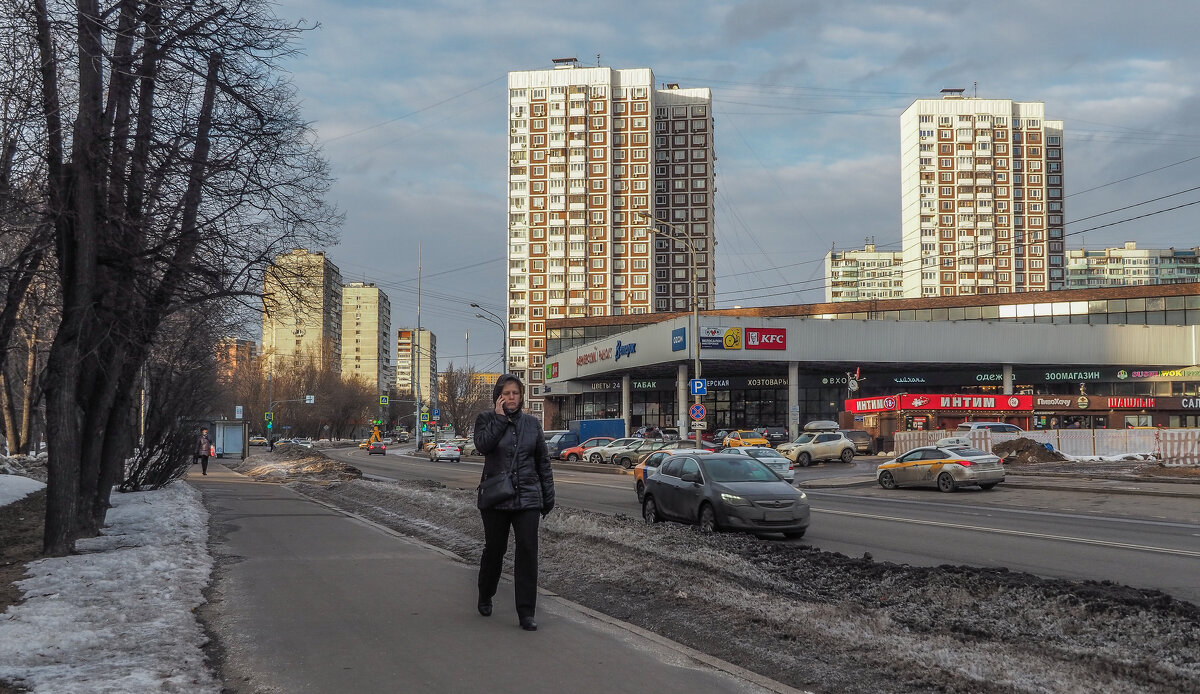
(424, 416)
(383, 399)
(424, 408)
(268, 416)
(700, 425)
(436, 417)
(698, 386)
(697, 412)
(309, 399)
(436, 413)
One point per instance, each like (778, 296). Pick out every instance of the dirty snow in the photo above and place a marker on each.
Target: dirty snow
(117, 617)
(14, 488)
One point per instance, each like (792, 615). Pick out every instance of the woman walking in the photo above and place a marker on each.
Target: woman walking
(514, 448)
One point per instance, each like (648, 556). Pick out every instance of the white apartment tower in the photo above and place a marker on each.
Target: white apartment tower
(589, 149)
(367, 335)
(981, 197)
(416, 364)
(858, 275)
(302, 309)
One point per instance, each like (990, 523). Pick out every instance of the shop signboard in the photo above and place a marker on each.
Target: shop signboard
(935, 401)
(766, 338)
(720, 337)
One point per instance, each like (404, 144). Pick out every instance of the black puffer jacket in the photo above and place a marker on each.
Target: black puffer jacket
(516, 441)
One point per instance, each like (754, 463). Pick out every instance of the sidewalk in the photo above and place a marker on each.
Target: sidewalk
(306, 598)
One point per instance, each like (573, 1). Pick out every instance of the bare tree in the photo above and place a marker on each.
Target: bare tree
(462, 396)
(175, 167)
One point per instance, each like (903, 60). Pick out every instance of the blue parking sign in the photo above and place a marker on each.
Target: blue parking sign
(698, 386)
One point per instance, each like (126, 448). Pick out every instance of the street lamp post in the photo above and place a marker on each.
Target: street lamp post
(497, 321)
(695, 296)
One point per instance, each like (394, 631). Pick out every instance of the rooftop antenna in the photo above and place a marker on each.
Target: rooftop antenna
(597, 60)
(976, 83)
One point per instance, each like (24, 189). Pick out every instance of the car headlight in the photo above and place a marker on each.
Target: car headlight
(734, 500)
(803, 496)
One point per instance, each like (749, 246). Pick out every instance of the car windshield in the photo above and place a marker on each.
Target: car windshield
(857, 435)
(738, 469)
(804, 438)
(763, 453)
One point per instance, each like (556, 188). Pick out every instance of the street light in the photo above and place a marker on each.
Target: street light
(695, 292)
(499, 322)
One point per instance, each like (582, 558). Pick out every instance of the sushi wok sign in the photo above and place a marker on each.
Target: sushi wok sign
(934, 401)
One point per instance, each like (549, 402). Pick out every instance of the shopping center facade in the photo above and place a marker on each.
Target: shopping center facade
(1101, 358)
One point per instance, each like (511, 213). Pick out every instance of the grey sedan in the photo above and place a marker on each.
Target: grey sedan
(724, 492)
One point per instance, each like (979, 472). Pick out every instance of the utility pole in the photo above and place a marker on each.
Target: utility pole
(416, 380)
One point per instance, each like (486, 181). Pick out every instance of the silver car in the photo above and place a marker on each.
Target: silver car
(602, 454)
(770, 457)
(944, 467)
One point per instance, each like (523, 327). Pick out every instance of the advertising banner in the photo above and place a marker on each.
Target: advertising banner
(719, 337)
(766, 338)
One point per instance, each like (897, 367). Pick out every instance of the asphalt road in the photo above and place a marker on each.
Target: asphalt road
(1143, 541)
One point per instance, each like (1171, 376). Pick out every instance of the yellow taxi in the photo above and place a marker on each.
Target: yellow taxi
(742, 437)
(365, 443)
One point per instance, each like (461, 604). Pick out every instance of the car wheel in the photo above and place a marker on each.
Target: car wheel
(988, 485)
(650, 510)
(571, 457)
(595, 458)
(803, 460)
(847, 455)
(793, 534)
(641, 491)
(886, 480)
(708, 519)
(626, 463)
(946, 482)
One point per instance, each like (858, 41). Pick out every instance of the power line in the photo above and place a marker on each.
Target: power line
(413, 113)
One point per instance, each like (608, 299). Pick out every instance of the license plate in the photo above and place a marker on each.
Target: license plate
(779, 515)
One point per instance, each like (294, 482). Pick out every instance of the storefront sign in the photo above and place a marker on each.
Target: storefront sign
(908, 379)
(966, 402)
(766, 338)
(1072, 375)
(716, 337)
(625, 350)
(1190, 403)
(552, 370)
(1040, 401)
(1131, 403)
(884, 404)
(678, 339)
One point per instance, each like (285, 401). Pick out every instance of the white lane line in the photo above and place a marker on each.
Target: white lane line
(1019, 533)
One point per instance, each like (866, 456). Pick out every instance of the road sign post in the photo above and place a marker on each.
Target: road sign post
(697, 411)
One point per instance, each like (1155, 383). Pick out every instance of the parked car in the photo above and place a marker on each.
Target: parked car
(444, 450)
(377, 447)
(813, 446)
(944, 467)
(559, 440)
(743, 437)
(774, 435)
(306, 442)
(650, 462)
(601, 454)
(580, 452)
(258, 440)
(670, 434)
(997, 427)
(628, 457)
(691, 445)
(864, 443)
(724, 492)
(770, 457)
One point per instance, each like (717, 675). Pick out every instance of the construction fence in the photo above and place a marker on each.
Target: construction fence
(1173, 447)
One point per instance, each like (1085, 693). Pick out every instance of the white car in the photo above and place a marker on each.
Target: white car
(602, 454)
(779, 463)
(818, 445)
(445, 450)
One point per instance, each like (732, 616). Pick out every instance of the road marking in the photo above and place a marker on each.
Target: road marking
(1019, 533)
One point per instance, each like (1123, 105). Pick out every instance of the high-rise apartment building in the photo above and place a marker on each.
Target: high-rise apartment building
(981, 197)
(233, 355)
(416, 364)
(367, 334)
(592, 150)
(1130, 265)
(302, 309)
(856, 275)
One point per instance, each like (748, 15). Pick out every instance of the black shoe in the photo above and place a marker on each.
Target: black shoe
(485, 607)
(528, 624)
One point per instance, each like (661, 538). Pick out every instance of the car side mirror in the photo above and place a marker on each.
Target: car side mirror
(691, 477)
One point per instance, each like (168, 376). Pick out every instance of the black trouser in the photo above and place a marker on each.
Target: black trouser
(203, 460)
(525, 560)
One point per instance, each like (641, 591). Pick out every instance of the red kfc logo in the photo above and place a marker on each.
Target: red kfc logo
(766, 338)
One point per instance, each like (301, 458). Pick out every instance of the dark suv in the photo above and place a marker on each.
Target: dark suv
(774, 435)
(864, 443)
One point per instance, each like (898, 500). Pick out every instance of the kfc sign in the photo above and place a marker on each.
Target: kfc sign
(766, 338)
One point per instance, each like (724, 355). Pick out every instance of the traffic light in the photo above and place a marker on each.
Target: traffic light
(269, 424)
(424, 426)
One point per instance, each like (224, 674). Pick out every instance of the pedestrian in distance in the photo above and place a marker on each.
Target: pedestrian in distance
(513, 446)
(204, 450)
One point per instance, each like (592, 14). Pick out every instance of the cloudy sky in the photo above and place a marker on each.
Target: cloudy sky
(409, 100)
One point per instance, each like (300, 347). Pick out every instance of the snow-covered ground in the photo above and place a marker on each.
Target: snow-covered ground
(117, 617)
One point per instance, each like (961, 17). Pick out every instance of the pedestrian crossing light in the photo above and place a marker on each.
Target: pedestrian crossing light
(269, 424)
(424, 426)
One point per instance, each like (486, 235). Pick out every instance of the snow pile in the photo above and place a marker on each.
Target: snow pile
(290, 463)
(1023, 451)
(33, 466)
(118, 616)
(14, 488)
